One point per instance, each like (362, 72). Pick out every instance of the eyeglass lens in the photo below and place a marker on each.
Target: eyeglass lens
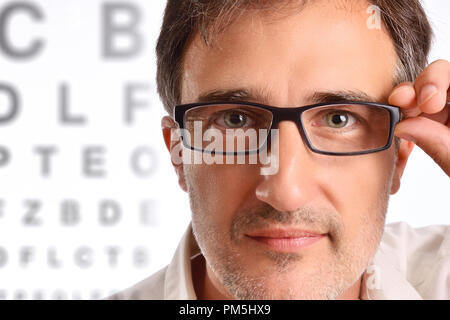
(332, 128)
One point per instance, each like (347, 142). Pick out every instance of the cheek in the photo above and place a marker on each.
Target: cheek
(218, 191)
(358, 187)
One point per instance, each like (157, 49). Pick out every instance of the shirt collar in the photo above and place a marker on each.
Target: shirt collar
(178, 282)
(383, 279)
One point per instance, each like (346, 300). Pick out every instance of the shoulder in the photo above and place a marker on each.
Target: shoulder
(434, 239)
(422, 255)
(151, 288)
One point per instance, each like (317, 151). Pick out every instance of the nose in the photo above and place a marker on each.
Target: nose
(293, 185)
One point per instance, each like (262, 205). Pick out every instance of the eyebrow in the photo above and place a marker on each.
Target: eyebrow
(263, 96)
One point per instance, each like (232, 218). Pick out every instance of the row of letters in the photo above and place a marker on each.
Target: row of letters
(136, 97)
(82, 257)
(108, 213)
(112, 28)
(55, 294)
(143, 161)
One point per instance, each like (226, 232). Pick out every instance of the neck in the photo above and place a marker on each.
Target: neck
(203, 285)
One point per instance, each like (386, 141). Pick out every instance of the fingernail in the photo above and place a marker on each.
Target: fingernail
(406, 137)
(428, 92)
(399, 91)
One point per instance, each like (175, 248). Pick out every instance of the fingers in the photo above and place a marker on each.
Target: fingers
(428, 116)
(404, 96)
(430, 136)
(429, 93)
(431, 87)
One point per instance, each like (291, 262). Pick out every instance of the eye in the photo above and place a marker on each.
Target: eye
(234, 119)
(339, 119)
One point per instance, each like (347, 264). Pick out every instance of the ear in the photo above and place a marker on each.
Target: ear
(404, 152)
(174, 146)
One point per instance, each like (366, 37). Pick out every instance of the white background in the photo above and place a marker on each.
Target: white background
(72, 54)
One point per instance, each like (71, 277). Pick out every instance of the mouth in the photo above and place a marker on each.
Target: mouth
(285, 240)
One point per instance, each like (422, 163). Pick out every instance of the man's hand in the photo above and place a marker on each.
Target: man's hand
(425, 104)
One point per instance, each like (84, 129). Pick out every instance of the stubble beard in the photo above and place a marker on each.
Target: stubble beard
(327, 280)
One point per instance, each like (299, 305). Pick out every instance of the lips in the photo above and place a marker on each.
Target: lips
(283, 233)
(286, 240)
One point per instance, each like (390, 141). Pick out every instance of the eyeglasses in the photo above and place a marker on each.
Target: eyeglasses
(338, 129)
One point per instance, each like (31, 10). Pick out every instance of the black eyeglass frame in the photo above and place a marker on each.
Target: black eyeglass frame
(290, 114)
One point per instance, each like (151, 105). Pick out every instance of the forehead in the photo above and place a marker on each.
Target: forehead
(326, 45)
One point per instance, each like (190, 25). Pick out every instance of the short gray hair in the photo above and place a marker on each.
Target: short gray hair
(405, 21)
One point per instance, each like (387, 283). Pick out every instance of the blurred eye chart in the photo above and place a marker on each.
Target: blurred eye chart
(89, 201)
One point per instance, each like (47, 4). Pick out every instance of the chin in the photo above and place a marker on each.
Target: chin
(288, 293)
(287, 286)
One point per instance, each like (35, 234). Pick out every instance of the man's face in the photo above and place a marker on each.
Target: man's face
(325, 47)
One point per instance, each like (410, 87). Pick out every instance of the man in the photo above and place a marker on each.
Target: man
(314, 228)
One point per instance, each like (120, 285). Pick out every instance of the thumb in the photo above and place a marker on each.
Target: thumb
(431, 136)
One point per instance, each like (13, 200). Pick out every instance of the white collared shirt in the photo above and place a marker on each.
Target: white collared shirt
(409, 264)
